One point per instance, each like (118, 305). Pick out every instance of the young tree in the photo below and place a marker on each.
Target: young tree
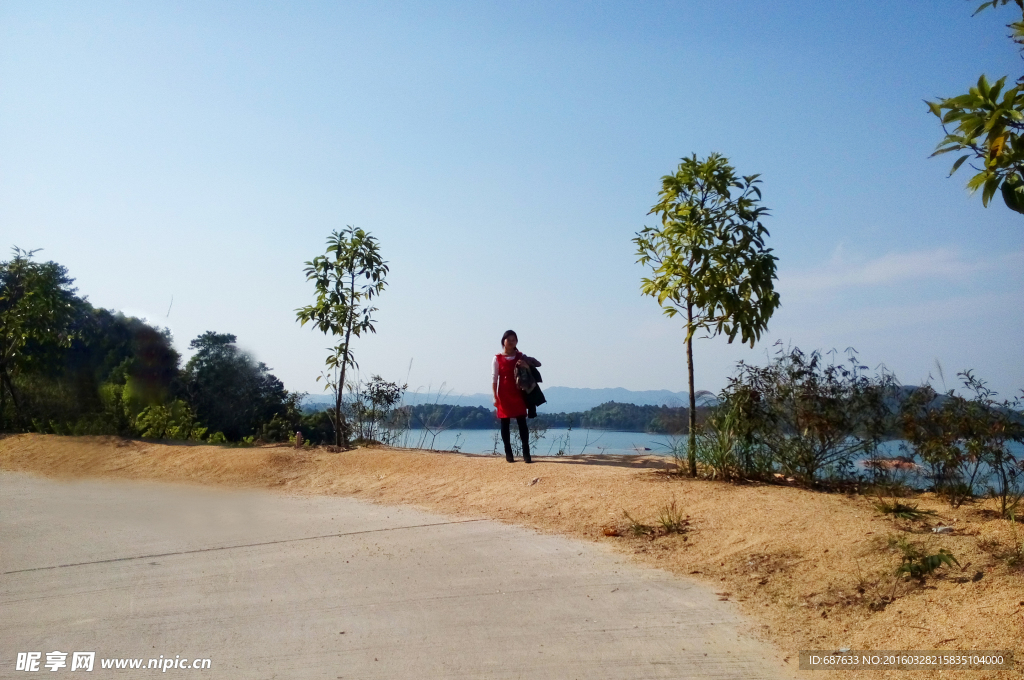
(988, 124)
(708, 258)
(347, 278)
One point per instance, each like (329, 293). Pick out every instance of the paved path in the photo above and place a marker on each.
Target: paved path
(271, 586)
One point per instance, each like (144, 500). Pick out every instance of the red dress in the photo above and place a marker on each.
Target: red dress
(510, 399)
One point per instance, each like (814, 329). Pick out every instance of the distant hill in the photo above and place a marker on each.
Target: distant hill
(570, 399)
(560, 399)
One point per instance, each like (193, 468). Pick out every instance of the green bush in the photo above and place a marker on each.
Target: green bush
(963, 441)
(809, 417)
(723, 452)
(173, 421)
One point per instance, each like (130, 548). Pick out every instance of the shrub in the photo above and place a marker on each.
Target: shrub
(723, 450)
(277, 429)
(808, 416)
(371, 407)
(171, 421)
(963, 441)
(717, 442)
(317, 427)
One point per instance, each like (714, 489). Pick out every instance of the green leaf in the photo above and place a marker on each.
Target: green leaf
(990, 189)
(939, 152)
(1013, 196)
(959, 162)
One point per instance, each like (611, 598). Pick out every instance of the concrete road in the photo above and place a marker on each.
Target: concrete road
(270, 586)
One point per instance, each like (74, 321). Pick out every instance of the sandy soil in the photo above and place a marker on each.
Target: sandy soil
(812, 569)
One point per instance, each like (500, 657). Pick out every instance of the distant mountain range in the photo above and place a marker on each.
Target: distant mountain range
(560, 399)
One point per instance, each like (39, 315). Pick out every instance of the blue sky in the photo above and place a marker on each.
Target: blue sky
(504, 154)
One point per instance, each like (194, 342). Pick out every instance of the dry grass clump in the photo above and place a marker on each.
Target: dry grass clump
(900, 510)
(670, 520)
(814, 570)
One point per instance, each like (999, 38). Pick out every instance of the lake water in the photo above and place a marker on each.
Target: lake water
(577, 441)
(571, 442)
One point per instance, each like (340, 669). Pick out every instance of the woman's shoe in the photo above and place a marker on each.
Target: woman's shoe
(509, 458)
(526, 458)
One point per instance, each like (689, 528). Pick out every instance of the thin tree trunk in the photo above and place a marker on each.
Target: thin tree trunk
(3, 405)
(341, 438)
(337, 413)
(692, 452)
(5, 380)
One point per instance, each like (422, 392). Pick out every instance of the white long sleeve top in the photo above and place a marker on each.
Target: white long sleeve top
(494, 366)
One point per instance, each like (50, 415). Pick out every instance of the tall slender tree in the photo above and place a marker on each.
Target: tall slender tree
(708, 258)
(347, 278)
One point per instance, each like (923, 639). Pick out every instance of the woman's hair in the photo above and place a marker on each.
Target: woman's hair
(506, 334)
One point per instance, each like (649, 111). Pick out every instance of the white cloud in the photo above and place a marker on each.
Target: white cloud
(846, 271)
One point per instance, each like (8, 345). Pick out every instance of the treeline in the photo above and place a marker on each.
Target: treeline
(67, 367)
(625, 418)
(608, 416)
(446, 416)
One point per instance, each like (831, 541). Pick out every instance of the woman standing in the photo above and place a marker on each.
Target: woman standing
(508, 400)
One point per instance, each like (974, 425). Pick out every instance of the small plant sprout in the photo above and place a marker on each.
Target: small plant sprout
(916, 564)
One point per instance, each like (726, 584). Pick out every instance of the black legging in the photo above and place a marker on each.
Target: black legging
(524, 435)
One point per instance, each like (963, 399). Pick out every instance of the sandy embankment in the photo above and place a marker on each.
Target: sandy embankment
(804, 565)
